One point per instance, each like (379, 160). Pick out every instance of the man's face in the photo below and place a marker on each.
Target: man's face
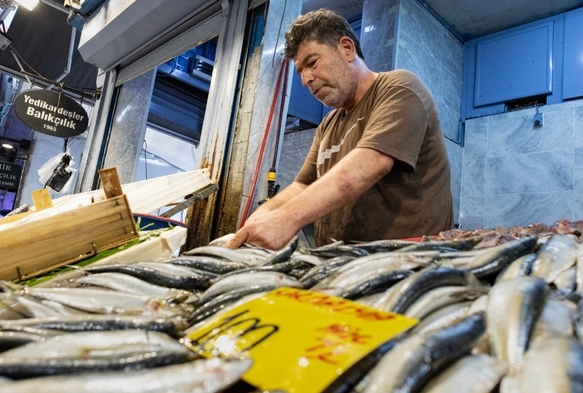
(326, 71)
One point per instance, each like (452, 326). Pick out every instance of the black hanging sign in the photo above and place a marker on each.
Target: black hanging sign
(51, 113)
(9, 176)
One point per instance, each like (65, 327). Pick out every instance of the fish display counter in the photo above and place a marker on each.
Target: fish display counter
(471, 311)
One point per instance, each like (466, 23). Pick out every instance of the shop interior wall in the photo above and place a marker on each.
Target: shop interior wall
(516, 174)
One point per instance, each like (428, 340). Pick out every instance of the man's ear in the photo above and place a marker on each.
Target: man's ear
(346, 45)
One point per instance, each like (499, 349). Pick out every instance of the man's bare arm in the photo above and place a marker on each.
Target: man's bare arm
(344, 183)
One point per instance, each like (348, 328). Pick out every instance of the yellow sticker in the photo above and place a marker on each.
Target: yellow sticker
(300, 341)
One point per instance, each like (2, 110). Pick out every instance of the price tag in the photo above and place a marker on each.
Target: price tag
(300, 341)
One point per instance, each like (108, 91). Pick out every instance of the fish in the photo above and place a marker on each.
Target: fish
(189, 282)
(470, 374)
(325, 269)
(93, 351)
(559, 253)
(464, 244)
(103, 301)
(521, 267)
(9, 340)
(512, 310)
(565, 283)
(284, 254)
(414, 286)
(247, 280)
(335, 249)
(210, 264)
(557, 317)
(96, 322)
(130, 284)
(497, 258)
(282, 267)
(443, 296)
(413, 361)
(228, 254)
(443, 317)
(225, 299)
(553, 365)
(375, 283)
(200, 376)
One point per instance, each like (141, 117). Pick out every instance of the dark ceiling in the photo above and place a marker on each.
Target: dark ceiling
(468, 19)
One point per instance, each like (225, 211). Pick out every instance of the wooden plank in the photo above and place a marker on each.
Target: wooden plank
(158, 194)
(110, 182)
(42, 199)
(37, 246)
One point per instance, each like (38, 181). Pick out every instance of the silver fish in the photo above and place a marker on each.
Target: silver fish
(418, 283)
(247, 280)
(497, 258)
(470, 374)
(553, 365)
(413, 361)
(557, 317)
(104, 301)
(93, 351)
(440, 297)
(130, 284)
(558, 254)
(228, 255)
(512, 310)
(97, 322)
(521, 267)
(200, 376)
(566, 282)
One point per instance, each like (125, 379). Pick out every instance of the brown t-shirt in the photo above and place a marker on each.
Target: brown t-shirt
(398, 117)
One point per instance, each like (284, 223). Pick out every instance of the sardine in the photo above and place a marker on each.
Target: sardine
(553, 365)
(218, 303)
(557, 317)
(210, 264)
(227, 254)
(420, 282)
(566, 282)
(104, 301)
(512, 310)
(130, 284)
(443, 317)
(155, 276)
(9, 340)
(497, 258)
(93, 351)
(284, 254)
(96, 322)
(465, 244)
(375, 283)
(247, 280)
(520, 267)
(558, 254)
(200, 376)
(470, 374)
(440, 297)
(419, 357)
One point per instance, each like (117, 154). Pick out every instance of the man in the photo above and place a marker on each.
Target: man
(378, 166)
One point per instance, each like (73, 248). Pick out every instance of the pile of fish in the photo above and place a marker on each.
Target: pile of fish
(504, 318)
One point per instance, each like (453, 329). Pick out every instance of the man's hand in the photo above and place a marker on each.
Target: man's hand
(268, 229)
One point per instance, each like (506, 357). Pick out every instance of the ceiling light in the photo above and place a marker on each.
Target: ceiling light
(28, 4)
(7, 146)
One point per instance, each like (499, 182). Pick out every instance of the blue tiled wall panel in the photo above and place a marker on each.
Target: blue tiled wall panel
(514, 65)
(573, 58)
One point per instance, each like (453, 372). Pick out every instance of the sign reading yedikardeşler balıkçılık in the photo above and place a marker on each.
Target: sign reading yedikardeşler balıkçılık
(52, 113)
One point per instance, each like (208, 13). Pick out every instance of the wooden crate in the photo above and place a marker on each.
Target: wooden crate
(52, 237)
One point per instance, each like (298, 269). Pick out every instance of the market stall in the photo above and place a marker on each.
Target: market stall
(463, 311)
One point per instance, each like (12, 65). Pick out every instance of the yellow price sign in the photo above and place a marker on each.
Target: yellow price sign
(300, 341)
